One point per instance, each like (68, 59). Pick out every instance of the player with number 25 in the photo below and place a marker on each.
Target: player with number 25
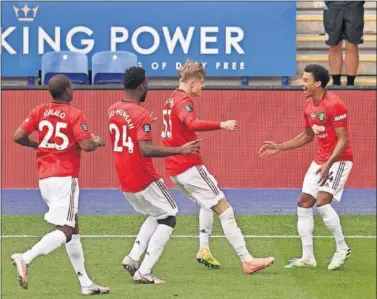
(62, 134)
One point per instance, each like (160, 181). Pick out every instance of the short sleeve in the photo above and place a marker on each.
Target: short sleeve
(340, 115)
(80, 128)
(30, 124)
(185, 108)
(144, 128)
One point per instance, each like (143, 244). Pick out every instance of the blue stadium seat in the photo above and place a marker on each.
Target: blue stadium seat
(72, 64)
(108, 67)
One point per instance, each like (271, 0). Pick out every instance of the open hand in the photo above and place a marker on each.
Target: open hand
(192, 147)
(269, 148)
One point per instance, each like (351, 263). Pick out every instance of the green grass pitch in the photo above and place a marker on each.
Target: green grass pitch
(53, 276)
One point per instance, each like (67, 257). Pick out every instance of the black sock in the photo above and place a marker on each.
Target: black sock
(351, 80)
(336, 79)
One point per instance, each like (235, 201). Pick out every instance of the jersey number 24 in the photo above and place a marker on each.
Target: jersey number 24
(121, 141)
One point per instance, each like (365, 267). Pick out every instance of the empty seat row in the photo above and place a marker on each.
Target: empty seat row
(107, 67)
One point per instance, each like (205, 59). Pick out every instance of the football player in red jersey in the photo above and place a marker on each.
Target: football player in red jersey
(190, 174)
(130, 128)
(62, 134)
(325, 118)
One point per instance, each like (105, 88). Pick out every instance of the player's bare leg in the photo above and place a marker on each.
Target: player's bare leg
(76, 256)
(336, 62)
(156, 246)
(351, 62)
(49, 243)
(332, 221)
(234, 236)
(204, 256)
(131, 262)
(305, 227)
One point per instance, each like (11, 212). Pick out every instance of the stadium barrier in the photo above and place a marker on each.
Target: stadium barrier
(263, 114)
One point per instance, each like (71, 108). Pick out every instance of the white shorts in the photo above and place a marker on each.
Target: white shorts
(199, 186)
(61, 195)
(338, 175)
(154, 201)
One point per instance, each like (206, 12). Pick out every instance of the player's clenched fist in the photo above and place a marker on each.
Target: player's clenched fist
(230, 125)
(269, 148)
(191, 147)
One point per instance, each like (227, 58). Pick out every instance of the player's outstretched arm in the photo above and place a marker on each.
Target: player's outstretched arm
(22, 137)
(187, 115)
(197, 125)
(91, 144)
(148, 149)
(272, 148)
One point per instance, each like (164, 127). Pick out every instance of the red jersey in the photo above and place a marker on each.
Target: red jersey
(324, 118)
(128, 124)
(60, 127)
(179, 126)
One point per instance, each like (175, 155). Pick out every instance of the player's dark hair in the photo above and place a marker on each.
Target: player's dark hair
(319, 73)
(133, 77)
(57, 86)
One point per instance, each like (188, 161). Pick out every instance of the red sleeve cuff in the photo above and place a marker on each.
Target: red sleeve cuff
(27, 128)
(144, 138)
(83, 137)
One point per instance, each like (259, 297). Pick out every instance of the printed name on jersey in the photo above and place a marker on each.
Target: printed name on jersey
(84, 126)
(340, 117)
(124, 114)
(147, 128)
(313, 115)
(52, 112)
(188, 108)
(321, 116)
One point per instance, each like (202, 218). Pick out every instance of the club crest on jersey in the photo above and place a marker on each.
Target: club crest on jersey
(188, 108)
(147, 128)
(313, 115)
(321, 116)
(84, 126)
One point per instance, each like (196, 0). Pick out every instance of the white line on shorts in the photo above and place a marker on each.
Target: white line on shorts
(196, 236)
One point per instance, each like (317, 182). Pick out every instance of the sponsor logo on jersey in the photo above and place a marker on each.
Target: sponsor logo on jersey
(340, 117)
(317, 129)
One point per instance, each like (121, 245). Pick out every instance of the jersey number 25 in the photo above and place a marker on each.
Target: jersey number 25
(50, 132)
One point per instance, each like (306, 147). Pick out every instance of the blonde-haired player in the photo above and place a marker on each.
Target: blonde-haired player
(180, 125)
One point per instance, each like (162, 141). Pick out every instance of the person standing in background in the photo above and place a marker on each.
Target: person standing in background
(343, 20)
